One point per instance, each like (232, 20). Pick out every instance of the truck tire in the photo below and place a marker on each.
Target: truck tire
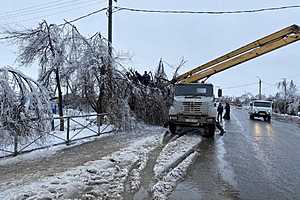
(210, 131)
(251, 117)
(269, 119)
(172, 128)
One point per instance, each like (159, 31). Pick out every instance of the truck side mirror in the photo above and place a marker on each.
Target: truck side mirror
(219, 92)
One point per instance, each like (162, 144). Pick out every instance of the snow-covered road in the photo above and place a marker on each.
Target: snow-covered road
(112, 167)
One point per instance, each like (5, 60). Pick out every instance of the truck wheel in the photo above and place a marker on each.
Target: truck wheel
(251, 117)
(172, 128)
(269, 119)
(210, 131)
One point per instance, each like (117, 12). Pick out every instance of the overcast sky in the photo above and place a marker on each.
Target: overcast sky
(197, 38)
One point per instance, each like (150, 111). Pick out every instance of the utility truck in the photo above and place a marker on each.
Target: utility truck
(260, 108)
(193, 104)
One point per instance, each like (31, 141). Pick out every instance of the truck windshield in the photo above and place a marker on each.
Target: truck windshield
(194, 90)
(263, 104)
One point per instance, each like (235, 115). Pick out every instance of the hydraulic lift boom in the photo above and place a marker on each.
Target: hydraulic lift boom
(250, 51)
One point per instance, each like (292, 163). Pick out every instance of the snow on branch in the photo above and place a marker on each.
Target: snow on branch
(23, 106)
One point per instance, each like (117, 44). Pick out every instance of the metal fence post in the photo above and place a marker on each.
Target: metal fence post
(16, 144)
(99, 124)
(52, 124)
(68, 130)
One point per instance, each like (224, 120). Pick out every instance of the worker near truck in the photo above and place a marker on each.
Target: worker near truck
(220, 112)
(227, 111)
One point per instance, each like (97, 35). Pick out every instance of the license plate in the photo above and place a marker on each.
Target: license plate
(191, 120)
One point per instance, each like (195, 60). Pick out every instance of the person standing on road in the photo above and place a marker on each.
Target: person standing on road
(220, 112)
(227, 112)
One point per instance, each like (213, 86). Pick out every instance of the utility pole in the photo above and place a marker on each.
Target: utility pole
(110, 2)
(285, 103)
(259, 87)
(259, 83)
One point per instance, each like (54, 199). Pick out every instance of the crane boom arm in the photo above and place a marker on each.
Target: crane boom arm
(250, 51)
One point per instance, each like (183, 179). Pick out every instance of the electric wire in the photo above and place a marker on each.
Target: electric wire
(55, 14)
(205, 12)
(85, 16)
(29, 8)
(239, 86)
(47, 9)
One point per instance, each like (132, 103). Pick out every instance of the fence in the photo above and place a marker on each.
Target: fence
(75, 128)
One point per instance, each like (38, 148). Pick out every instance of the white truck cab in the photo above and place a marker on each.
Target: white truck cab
(261, 108)
(193, 106)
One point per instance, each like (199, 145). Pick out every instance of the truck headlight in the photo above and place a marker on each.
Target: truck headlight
(173, 117)
(210, 120)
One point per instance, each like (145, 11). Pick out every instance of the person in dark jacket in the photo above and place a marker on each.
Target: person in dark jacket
(146, 78)
(220, 112)
(227, 112)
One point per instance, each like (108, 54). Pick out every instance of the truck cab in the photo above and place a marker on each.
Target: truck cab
(260, 108)
(193, 106)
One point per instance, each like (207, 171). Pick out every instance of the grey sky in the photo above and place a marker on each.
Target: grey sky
(197, 38)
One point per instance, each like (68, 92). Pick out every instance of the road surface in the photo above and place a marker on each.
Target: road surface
(254, 160)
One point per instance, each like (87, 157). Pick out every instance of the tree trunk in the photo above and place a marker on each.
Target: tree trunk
(60, 100)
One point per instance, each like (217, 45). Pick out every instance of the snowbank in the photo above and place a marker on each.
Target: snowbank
(101, 179)
(166, 186)
(174, 152)
(172, 165)
(288, 117)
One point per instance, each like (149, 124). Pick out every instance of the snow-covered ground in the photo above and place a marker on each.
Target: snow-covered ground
(101, 178)
(109, 176)
(288, 117)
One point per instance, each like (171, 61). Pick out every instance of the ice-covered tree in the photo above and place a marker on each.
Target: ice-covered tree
(24, 106)
(96, 76)
(46, 45)
(160, 77)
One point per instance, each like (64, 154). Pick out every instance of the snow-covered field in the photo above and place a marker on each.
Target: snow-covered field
(109, 177)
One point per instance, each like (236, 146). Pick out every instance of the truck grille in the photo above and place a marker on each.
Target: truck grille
(195, 107)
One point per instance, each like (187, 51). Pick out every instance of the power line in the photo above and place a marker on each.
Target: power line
(87, 15)
(49, 8)
(33, 7)
(274, 84)
(205, 12)
(239, 86)
(69, 21)
(59, 12)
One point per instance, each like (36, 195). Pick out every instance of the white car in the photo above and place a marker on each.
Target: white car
(260, 108)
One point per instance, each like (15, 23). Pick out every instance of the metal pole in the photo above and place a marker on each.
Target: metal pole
(68, 130)
(99, 124)
(110, 27)
(285, 103)
(260, 89)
